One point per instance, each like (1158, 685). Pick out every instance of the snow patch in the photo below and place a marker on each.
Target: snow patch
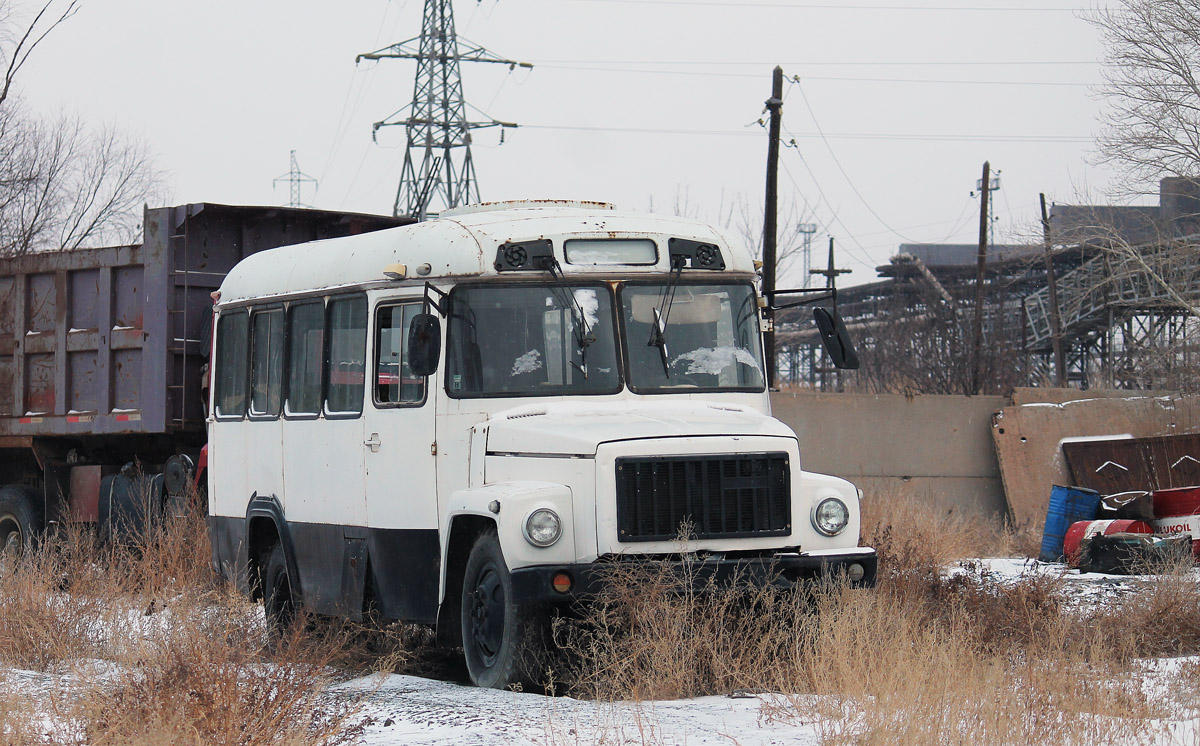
(527, 363)
(589, 304)
(713, 360)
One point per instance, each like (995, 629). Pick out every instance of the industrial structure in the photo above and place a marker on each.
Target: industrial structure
(1127, 280)
(437, 159)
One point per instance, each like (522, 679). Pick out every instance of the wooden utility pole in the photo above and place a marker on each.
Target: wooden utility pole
(981, 266)
(1060, 360)
(775, 107)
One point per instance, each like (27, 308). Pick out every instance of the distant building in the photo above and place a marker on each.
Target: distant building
(1176, 215)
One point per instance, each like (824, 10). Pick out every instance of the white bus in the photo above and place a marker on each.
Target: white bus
(460, 422)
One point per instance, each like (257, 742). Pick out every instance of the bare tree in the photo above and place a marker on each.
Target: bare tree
(1152, 87)
(20, 44)
(64, 184)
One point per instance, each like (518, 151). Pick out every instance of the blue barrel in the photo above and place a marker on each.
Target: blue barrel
(1067, 505)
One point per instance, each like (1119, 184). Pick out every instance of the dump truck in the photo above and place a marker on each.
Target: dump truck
(103, 361)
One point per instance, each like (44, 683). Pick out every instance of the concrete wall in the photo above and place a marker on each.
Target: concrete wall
(937, 448)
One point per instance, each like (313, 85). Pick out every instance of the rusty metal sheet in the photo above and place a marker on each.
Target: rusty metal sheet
(1157, 463)
(84, 500)
(1108, 466)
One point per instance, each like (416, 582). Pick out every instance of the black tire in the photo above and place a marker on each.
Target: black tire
(279, 598)
(495, 629)
(21, 521)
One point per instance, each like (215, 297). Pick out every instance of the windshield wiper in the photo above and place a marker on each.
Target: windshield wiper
(658, 332)
(583, 333)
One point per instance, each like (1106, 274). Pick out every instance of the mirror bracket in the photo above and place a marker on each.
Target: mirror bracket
(817, 295)
(436, 299)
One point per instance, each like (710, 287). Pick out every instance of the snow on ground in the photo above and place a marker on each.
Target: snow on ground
(410, 710)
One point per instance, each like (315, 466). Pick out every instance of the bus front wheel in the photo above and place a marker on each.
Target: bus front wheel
(494, 627)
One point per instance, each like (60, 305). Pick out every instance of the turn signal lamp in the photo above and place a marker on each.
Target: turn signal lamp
(561, 582)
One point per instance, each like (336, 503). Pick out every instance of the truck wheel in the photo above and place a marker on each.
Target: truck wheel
(494, 627)
(279, 602)
(20, 521)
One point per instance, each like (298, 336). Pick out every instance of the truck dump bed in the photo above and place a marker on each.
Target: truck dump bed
(113, 340)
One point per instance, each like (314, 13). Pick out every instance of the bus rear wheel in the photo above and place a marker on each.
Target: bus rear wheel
(279, 601)
(495, 628)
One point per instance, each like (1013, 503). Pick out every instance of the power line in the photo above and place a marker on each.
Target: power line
(823, 63)
(826, 6)
(831, 78)
(830, 135)
(866, 260)
(812, 115)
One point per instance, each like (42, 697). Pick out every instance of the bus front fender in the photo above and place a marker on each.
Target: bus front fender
(510, 505)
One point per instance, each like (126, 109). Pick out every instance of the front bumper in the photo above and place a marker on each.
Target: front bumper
(536, 584)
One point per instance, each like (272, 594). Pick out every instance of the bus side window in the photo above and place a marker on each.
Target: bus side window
(266, 364)
(306, 335)
(394, 381)
(231, 364)
(346, 371)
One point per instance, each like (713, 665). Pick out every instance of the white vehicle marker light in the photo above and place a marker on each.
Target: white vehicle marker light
(830, 516)
(542, 527)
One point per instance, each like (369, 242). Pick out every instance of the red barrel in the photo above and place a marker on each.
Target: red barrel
(1178, 501)
(1177, 511)
(1083, 529)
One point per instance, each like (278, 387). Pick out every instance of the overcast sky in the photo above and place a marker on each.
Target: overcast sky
(637, 102)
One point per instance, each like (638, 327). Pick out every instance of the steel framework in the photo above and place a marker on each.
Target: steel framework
(1128, 319)
(436, 125)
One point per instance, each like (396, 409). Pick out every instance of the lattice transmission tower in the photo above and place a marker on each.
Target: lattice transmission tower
(435, 123)
(296, 180)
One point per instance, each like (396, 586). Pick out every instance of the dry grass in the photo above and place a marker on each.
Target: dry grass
(925, 658)
(210, 683)
(154, 650)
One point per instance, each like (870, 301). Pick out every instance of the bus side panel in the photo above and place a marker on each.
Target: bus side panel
(228, 537)
(405, 572)
(320, 549)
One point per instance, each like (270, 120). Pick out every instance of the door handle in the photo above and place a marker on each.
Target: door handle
(372, 443)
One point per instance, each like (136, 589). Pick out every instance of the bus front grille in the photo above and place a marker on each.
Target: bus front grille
(719, 496)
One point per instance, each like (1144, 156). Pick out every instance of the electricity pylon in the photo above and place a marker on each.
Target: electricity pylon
(296, 180)
(436, 123)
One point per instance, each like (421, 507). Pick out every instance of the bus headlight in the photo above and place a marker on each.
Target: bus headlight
(830, 516)
(542, 527)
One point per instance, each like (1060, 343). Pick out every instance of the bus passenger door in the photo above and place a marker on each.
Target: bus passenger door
(401, 486)
(324, 501)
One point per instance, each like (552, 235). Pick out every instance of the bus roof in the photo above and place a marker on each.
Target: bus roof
(464, 243)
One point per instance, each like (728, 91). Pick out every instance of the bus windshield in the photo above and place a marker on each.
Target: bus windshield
(709, 342)
(555, 339)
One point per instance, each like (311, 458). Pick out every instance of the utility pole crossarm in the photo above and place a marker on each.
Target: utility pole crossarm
(411, 50)
(400, 50)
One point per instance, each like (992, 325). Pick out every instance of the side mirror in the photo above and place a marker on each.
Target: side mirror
(424, 344)
(836, 339)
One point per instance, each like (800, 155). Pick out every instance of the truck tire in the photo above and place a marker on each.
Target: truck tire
(279, 600)
(21, 520)
(495, 629)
